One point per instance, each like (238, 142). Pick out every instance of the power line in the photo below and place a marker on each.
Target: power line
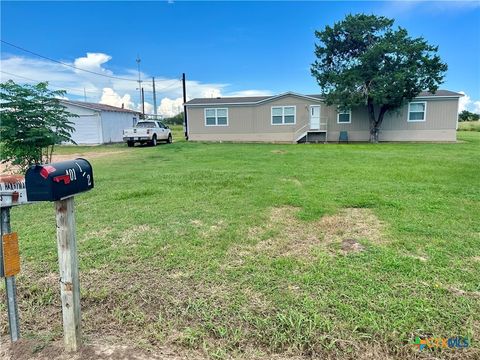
(65, 64)
(90, 91)
(19, 76)
(53, 86)
(79, 90)
(77, 68)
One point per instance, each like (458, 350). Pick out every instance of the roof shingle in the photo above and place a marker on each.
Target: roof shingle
(99, 107)
(255, 99)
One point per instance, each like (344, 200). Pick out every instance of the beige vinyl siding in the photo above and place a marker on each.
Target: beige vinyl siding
(250, 122)
(440, 123)
(253, 122)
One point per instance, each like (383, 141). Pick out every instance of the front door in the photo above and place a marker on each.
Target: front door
(315, 117)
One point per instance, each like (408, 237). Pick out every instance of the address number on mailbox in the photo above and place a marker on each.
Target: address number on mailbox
(56, 181)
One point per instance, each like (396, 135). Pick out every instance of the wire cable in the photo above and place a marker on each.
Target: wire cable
(80, 90)
(88, 71)
(65, 64)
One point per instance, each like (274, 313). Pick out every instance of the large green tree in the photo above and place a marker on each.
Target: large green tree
(363, 61)
(466, 115)
(32, 122)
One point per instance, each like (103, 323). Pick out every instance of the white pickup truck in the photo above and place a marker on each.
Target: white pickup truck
(147, 131)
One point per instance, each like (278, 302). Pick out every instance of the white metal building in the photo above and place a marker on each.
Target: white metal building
(99, 123)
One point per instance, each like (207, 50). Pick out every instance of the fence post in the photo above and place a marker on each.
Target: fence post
(10, 285)
(69, 281)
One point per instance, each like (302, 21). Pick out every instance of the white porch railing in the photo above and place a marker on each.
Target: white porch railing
(301, 132)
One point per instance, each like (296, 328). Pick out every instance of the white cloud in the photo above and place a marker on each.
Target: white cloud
(463, 102)
(170, 107)
(93, 62)
(110, 97)
(148, 108)
(466, 103)
(112, 91)
(476, 107)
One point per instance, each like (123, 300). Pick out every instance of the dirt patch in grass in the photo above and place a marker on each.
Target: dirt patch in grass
(104, 349)
(418, 257)
(132, 234)
(284, 234)
(196, 222)
(26, 349)
(292, 181)
(279, 151)
(352, 223)
(351, 245)
(149, 313)
(460, 292)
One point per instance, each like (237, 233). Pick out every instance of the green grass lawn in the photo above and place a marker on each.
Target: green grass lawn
(238, 249)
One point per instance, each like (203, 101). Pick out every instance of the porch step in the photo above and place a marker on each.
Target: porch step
(313, 137)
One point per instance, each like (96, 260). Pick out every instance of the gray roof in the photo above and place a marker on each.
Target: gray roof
(256, 99)
(440, 93)
(244, 99)
(227, 100)
(98, 107)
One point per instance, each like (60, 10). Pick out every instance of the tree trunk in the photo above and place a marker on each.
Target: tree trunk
(375, 123)
(371, 116)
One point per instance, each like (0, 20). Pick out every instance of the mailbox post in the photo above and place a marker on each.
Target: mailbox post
(12, 192)
(59, 182)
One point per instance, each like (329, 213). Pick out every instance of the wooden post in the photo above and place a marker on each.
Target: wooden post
(69, 282)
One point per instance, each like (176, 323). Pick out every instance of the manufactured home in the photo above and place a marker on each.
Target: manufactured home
(99, 123)
(295, 118)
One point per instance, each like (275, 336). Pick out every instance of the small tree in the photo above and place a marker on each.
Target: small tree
(363, 61)
(466, 115)
(32, 122)
(174, 120)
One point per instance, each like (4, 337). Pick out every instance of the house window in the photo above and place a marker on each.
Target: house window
(216, 117)
(417, 111)
(344, 116)
(283, 115)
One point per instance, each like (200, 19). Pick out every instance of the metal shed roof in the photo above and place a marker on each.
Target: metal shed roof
(98, 107)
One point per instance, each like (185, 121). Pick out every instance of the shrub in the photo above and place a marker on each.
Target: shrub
(32, 122)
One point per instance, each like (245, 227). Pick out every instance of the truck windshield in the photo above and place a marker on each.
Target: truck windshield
(146, 124)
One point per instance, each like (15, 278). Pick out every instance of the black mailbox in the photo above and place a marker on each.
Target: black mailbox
(56, 181)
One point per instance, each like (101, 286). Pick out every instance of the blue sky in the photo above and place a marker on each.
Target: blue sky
(225, 48)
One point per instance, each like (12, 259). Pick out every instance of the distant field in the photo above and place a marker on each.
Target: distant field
(469, 126)
(248, 250)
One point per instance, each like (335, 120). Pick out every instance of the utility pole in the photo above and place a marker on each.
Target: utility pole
(154, 98)
(138, 60)
(185, 122)
(84, 95)
(143, 103)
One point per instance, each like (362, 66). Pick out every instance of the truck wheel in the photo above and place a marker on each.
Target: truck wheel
(169, 140)
(154, 140)
(130, 143)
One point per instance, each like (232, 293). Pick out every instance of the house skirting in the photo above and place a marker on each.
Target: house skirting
(285, 137)
(399, 135)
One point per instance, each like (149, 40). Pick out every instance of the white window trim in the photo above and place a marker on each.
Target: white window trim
(283, 114)
(216, 117)
(424, 113)
(344, 112)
